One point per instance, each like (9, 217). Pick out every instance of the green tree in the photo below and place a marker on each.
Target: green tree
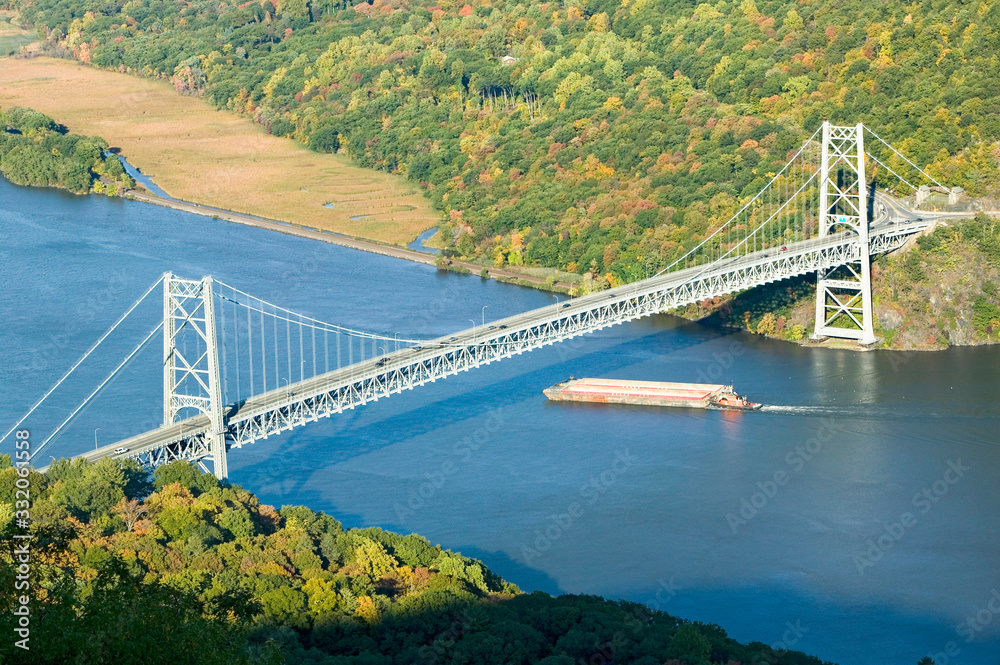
(690, 646)
(325, 139)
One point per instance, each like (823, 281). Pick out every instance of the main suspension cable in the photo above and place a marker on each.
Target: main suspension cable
(82, 358)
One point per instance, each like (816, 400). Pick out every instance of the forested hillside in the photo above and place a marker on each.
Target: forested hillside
(188, 570)
(601, 136)
(940, 290)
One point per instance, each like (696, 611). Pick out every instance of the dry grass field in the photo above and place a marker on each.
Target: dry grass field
(216, 158)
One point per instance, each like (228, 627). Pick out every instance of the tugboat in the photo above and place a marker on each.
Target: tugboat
(730, 401)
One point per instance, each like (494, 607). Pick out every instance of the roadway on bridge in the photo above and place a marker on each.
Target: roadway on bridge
(892, 215)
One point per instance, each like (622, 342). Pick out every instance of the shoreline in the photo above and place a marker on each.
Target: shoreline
(182, 138)
(313, 233)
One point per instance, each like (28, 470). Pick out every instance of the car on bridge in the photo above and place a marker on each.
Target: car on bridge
(119, 451)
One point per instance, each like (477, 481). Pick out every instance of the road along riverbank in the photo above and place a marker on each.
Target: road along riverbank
(198, 153)
(344, 241)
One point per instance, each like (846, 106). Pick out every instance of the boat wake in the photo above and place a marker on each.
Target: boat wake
(811, 410)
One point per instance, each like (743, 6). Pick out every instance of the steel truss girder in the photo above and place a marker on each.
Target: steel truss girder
(191, 447)
(245, 426)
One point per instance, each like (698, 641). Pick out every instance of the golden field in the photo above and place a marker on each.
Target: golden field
(216, 158)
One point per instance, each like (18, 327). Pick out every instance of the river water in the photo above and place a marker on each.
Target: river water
(854, 518)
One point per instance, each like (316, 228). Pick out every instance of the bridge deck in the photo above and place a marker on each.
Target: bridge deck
(321, 396)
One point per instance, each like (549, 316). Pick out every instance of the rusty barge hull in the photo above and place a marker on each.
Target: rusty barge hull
(646, 393)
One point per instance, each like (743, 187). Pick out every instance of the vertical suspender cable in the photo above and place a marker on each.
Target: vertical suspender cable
(784, 214)
(263, 354)
(250, 347)
(236, 329)
(277, 371)
(225, 382)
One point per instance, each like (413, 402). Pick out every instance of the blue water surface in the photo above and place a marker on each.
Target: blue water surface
(781, 526)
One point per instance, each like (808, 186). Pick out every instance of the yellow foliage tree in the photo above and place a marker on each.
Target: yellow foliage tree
(367, 610)
(767, 324)
(599, 23)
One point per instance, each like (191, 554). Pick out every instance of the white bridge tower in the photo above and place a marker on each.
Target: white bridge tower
(844, 294)
(191, 360)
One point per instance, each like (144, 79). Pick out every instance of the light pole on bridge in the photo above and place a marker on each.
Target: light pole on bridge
(484, 315)
(95, 437)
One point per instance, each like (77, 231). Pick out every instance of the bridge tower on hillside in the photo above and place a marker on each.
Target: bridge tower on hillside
(191, 360)
(844, 293)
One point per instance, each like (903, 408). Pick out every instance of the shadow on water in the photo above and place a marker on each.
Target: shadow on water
(359, 432)
(511, 569)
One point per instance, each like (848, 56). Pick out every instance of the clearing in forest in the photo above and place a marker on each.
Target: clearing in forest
(216, 158)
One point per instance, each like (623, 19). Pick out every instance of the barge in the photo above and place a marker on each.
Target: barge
(650, 393)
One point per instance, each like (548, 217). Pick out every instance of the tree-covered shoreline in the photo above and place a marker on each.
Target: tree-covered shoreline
(595, 136)
(939, 291)
(185, 569)
(37, 151)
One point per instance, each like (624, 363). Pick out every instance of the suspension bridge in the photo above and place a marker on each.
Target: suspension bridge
(237, 368)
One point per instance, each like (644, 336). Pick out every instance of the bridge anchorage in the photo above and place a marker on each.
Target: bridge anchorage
(237, 369)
